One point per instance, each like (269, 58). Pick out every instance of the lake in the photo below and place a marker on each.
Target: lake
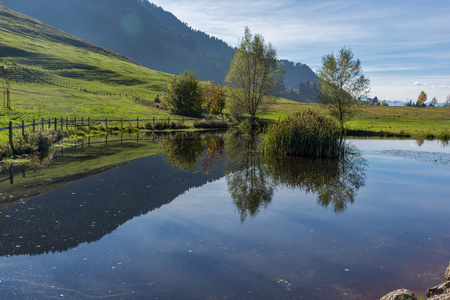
(214, 219)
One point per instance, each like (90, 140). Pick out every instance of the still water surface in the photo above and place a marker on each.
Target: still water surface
(217, 221)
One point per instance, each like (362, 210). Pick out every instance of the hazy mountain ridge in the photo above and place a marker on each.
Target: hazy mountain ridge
(41, 30)
(146, 34)
(137, 29)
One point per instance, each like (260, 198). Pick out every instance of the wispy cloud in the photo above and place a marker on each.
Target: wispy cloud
(391, 38)
(419, 83)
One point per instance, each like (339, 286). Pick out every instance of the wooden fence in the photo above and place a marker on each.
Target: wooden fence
(23, 169)
(66, 123)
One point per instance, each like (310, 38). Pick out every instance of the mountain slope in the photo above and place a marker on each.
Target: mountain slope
(59, 74)
(140, 30)
(147, 34)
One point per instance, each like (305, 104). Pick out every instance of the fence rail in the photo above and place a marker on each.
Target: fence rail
(65, 122)
(12, 171)
(61, 123)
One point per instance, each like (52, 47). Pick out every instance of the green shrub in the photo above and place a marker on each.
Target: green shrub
(305, 134)
(80, 133)
(131, 130)
(183, 95)
(210, 124)
(164, 126)
(429, 136)
(444, 136)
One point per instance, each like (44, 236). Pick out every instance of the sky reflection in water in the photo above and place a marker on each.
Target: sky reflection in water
(200, 231)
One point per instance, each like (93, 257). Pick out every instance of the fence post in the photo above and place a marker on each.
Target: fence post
(34, 125)
(11, 137)
(62, 124)
(42, 121)
(106, 122)
(121, 123)
(23, 128)
(137, 120)
(89, 122)
(8, 99)
(49, 123)
(67, 123)
(11, 175)
(75, 121)
(56, 124)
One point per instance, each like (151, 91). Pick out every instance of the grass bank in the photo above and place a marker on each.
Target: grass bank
(390, 121)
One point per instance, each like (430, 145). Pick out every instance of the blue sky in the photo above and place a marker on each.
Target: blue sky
(404, 46)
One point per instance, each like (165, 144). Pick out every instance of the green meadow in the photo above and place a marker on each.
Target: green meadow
(389, 121)
(59, 75)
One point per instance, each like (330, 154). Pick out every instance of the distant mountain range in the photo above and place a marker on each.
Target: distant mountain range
(146, 34)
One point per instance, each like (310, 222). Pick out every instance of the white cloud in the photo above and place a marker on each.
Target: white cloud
(443, 86)
(396, 41)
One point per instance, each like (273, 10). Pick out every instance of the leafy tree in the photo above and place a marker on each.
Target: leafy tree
(183, 95)
(421, 99)
(434, 101)
(255, 76)
(341, 84)
(214, 95)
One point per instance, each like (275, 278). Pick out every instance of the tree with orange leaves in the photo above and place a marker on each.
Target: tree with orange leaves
(214, 96)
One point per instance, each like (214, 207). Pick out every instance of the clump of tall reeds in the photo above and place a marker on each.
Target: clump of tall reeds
(306, 134)
(211, 124)
(164, 126)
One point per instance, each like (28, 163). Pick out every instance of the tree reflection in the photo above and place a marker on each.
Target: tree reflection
(214, 153)
(253, 177)
(335, 182)
(245, 173)
(183, 152)
(186, 152)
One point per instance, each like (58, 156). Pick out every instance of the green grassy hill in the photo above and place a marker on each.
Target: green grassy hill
(59, 75)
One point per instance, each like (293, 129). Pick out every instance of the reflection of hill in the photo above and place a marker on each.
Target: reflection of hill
(74, 165)
(89, 209)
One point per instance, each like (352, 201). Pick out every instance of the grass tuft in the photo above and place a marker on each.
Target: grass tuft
(306, 134)
(210, 124)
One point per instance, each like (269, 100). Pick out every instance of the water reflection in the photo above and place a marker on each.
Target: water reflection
(186, 152)
(246, 175)
(335, 183)
(86, 211)
(253, 177)
(183, 152)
